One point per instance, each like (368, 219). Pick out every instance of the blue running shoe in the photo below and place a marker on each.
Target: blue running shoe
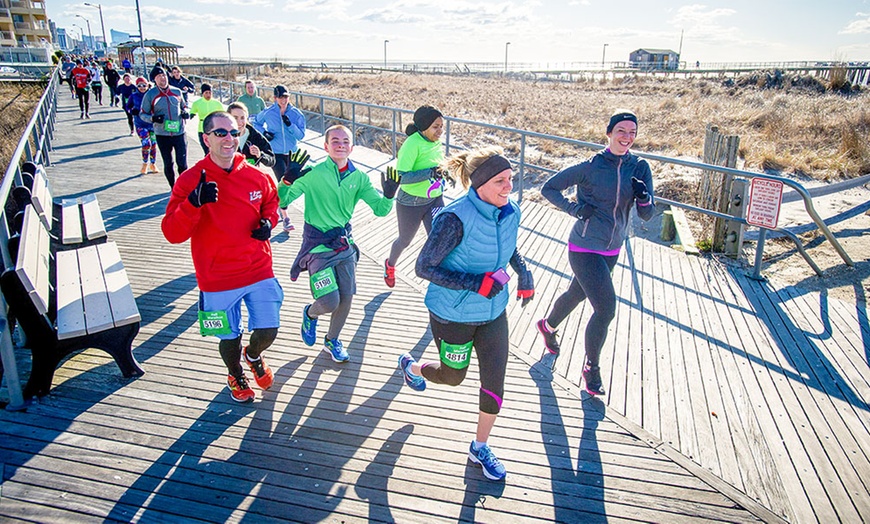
(336, 350)
(415, 382)
(492, 466)
(309, 327)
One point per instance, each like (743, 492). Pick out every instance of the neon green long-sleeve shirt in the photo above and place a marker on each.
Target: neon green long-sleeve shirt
(330, 200)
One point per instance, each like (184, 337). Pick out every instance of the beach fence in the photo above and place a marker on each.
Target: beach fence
(382, 128)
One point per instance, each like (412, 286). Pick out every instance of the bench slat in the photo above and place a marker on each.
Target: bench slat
(94, 226)
(72, 225)
(124, 309)
(32, 263)
(98, 315)
(40, 197)
(70, 307)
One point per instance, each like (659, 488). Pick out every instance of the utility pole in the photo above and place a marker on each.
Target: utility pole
(506, 44)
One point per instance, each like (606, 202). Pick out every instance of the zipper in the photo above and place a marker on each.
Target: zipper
(616, 200)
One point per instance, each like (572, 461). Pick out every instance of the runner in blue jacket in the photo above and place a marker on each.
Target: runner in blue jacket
(608, 186)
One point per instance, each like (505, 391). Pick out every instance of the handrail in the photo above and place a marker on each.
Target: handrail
(524, 135)
(39, 130)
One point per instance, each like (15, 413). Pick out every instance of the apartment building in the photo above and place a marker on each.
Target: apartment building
(23, 23)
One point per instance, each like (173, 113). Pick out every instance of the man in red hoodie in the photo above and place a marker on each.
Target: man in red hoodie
(81, 78)
(227, 208)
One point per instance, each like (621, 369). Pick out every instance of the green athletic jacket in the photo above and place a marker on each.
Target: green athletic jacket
(417, 154)
(330, 201)
(202, 108)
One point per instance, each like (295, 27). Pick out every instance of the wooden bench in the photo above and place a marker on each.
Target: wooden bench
(80, 218)
(67, 301)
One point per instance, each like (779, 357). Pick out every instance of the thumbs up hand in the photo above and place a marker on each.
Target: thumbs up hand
(205, 192)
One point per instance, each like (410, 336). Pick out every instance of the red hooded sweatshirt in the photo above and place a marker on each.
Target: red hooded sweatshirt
(224, 254)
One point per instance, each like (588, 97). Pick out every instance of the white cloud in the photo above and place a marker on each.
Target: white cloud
(699, 15)
(857, 26)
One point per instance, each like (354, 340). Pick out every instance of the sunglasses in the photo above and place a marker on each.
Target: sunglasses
(141, 85)
(220, 133)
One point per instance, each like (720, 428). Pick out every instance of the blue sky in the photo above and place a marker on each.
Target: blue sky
(542, 31)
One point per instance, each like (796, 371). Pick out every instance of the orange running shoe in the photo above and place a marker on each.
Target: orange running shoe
(262, 373)
(239, 389)
(389, 273)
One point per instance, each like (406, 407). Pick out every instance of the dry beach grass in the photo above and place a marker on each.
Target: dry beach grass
(801, 130)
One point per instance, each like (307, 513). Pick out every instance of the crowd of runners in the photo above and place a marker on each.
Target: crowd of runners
(469, 258)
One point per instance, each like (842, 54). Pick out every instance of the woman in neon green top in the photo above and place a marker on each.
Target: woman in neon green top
(419, 195)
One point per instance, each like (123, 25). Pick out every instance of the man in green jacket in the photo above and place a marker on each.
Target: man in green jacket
(203, 107)
(332, 189)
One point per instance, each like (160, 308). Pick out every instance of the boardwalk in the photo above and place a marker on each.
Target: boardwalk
(728, 400)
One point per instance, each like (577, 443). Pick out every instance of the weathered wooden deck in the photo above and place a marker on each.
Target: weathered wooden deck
(728, 400)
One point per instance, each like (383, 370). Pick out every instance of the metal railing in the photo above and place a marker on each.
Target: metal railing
(34, 146)
(226, 90)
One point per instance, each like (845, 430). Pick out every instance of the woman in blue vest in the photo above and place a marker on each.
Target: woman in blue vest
(471, 243)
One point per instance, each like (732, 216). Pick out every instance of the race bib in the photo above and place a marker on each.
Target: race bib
(214, 323)
(173, 126)
(456, 356)
(323, 282)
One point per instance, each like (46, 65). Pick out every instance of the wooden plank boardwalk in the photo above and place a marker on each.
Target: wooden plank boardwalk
(728, 400)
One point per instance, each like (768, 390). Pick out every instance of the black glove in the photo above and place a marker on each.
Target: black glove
(158, 119)
(264, 232)
(390, 182)
(269, 135)
(489, 287)
(205, 192)
(134, 111)
(286, 120)
(295, 167)
(639, 189)
(585, 212)
(186, 115)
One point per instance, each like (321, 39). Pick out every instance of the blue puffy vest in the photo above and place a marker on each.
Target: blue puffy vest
(488, 242)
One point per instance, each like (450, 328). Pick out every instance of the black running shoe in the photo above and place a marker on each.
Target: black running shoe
(592, 376)
(550, 340)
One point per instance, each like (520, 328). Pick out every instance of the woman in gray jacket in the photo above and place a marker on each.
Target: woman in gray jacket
(608, 185)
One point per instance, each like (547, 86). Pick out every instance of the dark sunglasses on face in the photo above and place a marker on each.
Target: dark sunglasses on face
(141, 85)
(220, 133)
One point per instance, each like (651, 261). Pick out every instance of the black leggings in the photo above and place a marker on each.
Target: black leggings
(593, 279)
(84, 96)
(98, 93)
(166, 144)
(409, 218)
(490, 346)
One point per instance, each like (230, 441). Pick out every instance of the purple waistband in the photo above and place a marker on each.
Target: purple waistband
(578, 249)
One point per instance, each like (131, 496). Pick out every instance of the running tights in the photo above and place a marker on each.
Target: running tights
(593, 279)
(491, 348)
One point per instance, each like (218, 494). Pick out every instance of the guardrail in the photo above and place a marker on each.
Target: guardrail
(227, 89)
(34, 146)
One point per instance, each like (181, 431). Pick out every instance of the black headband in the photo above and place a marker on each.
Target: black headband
(619, 117)
(488, 169)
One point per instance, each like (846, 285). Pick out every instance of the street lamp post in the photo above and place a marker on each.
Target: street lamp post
(603, 53)
(141, 41)
(229, 50)
(102, 25)
(506, 44)
(81, 33)
(90, 35)
(385, 53)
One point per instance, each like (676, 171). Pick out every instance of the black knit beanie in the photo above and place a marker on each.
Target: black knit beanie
(620, 116)
(423, 118)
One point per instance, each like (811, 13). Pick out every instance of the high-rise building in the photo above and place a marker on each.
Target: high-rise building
(24, 23)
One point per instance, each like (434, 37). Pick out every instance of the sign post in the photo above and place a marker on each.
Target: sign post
(765, 199)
